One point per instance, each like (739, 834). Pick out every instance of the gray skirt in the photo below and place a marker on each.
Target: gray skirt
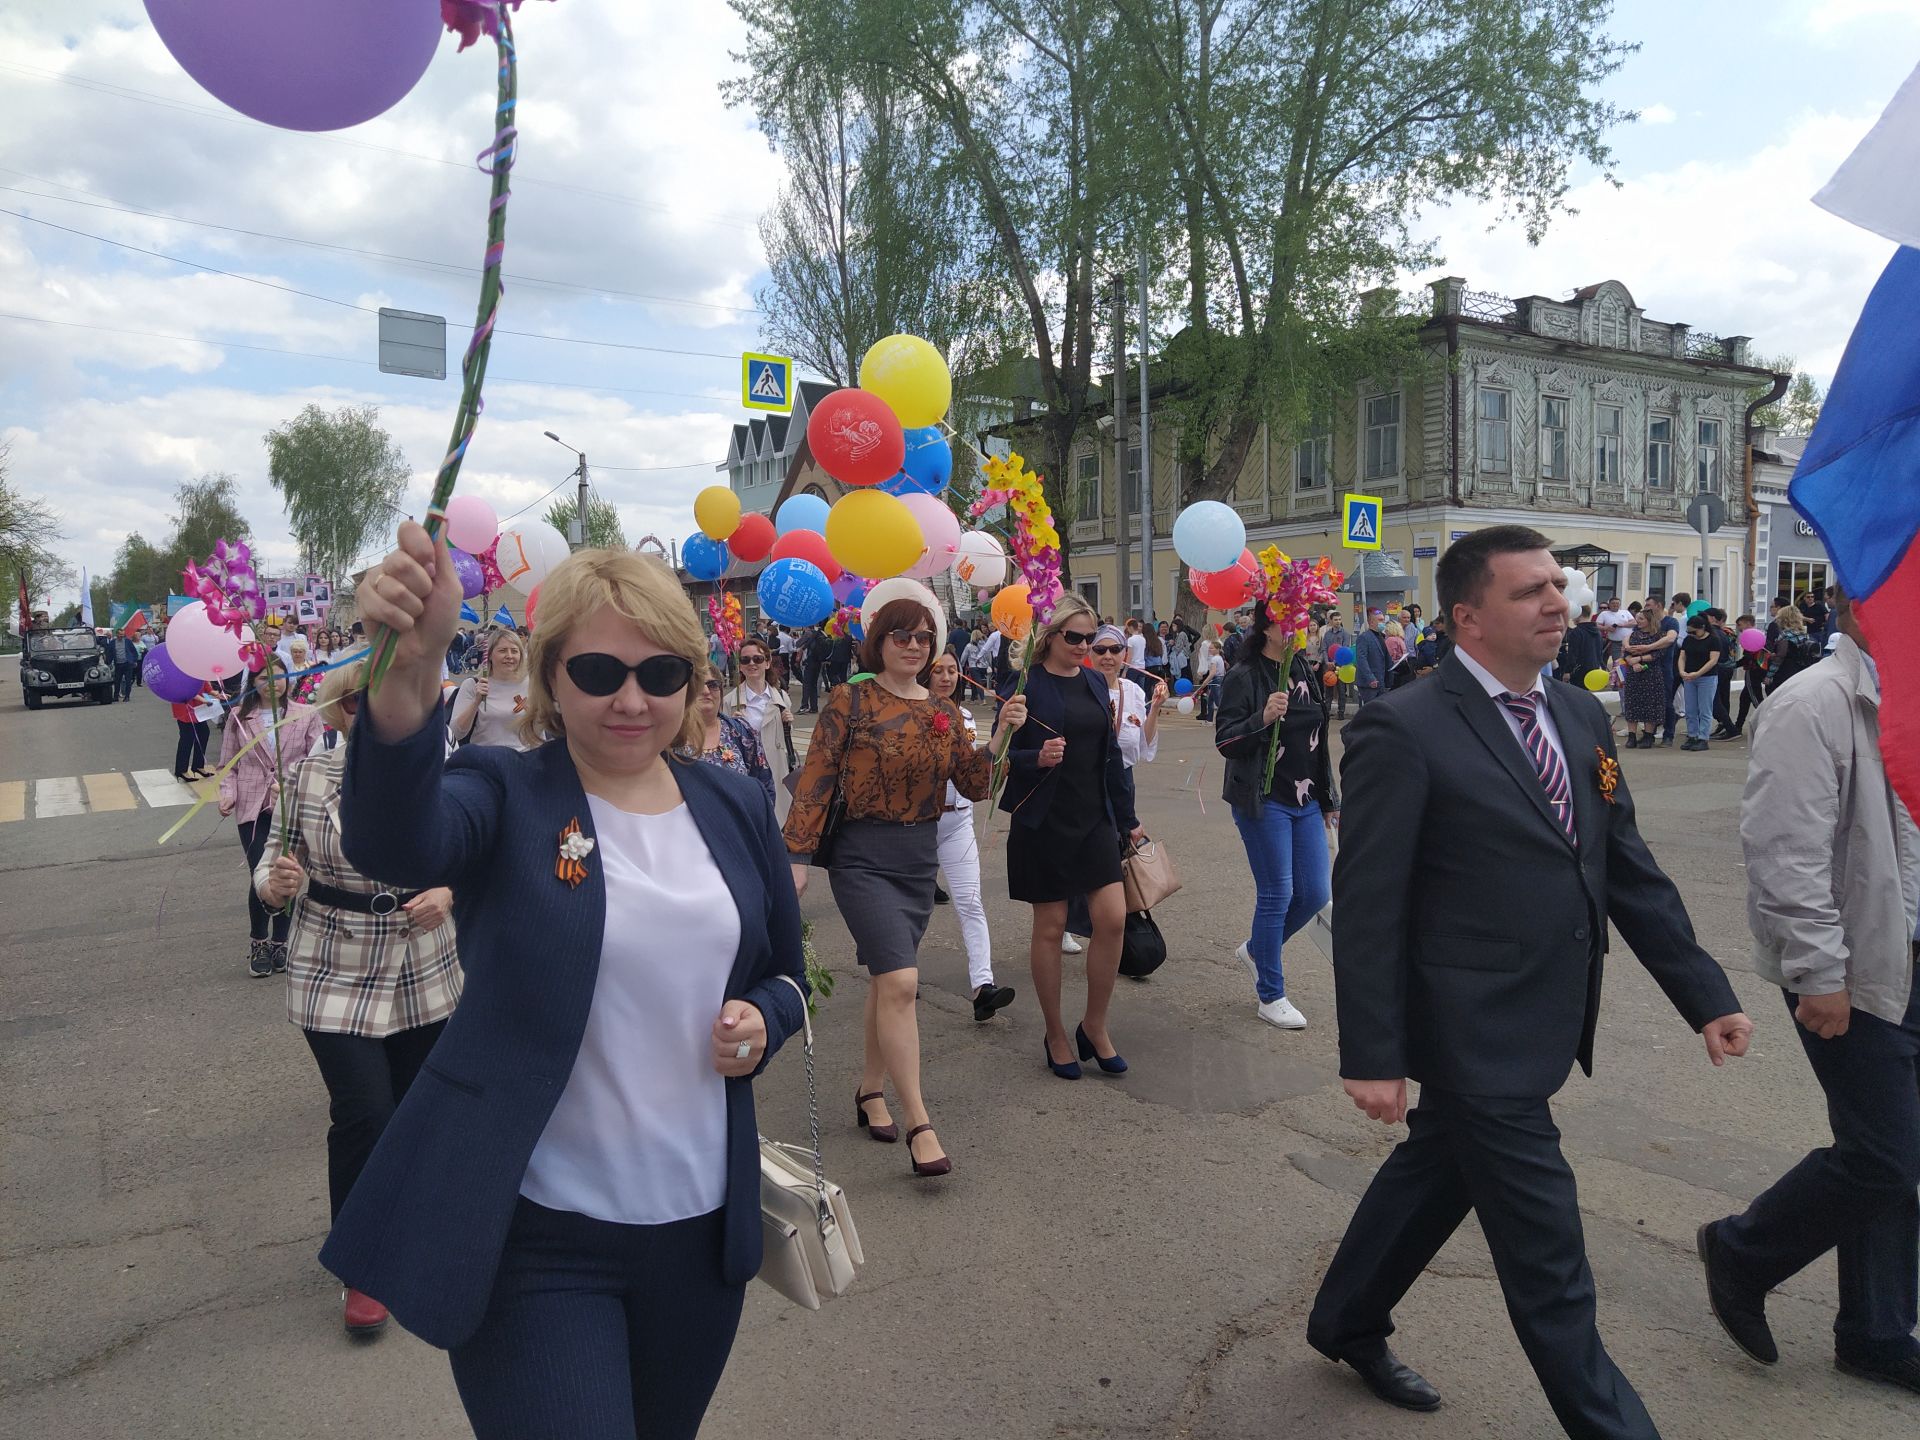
(882, 879)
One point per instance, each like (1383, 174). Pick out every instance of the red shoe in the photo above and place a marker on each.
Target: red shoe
(366, 1317)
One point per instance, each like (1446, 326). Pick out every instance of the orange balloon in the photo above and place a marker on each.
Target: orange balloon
(1012, 612)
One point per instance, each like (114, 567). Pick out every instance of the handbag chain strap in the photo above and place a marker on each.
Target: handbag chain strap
(813, 1111)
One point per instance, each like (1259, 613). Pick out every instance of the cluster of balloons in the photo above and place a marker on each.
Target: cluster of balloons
(883, 439)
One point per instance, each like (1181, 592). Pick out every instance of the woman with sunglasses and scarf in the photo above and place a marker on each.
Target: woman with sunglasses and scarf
(888, 749)
(760, 702)
(1068, 794)
(727, 740)
(568, 1198)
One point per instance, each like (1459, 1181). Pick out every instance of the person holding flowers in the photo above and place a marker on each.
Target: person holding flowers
(888, 750)
(568, 1198)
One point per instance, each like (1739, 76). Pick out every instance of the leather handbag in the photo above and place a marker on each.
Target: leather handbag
(1143, 949)
(1147, 875)
(812, 1251)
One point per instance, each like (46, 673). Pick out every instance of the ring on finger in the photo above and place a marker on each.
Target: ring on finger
(743, 1050)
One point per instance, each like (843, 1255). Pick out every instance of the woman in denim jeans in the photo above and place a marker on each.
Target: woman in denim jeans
(1283, 814)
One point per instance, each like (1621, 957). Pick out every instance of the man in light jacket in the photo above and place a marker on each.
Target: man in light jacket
(1833, 870)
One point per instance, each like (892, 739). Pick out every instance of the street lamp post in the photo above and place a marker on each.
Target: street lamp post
(579, 537)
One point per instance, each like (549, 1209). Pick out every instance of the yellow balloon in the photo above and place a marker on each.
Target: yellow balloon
(716, 510)
(1596, 680)
(873, 534)
(1348, 673)
(908, 373)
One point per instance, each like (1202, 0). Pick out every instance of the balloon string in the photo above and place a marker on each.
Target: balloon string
(496, 160)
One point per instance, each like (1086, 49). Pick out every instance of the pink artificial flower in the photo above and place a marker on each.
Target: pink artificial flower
(470, 19)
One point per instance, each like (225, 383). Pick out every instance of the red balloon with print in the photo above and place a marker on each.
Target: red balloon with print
(857, 438)
(808, 545)
(1231, 588)
(752, 539)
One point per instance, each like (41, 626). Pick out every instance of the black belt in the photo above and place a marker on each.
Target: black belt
(380, 902)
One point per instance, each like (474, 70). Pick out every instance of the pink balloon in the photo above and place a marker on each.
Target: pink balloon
(302, 66)
(941, 529)
(471, 523)
(201, 648)
(1752, 640)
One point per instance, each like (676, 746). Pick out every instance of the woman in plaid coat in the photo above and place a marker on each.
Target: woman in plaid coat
(372, 974)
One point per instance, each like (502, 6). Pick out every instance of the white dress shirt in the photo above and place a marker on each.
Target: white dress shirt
(639, 1136)
(1496, 689)
(1131, 726)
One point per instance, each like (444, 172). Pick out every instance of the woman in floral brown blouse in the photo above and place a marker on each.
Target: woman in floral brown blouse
(890, 749)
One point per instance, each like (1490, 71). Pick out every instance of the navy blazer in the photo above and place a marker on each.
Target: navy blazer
(424, 1227)
(1027, 796)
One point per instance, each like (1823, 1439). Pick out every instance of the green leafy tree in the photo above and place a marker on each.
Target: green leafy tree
(1796, 412)
(204, 510)
(342, 476)
(603, 522)
(28, 531)
(141, 573)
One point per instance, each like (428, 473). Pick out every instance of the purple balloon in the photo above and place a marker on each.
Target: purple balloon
(166, 680)
(473, 579)
(849, 589)
(299, 64)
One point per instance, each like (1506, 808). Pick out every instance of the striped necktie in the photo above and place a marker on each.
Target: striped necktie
(1547, 763)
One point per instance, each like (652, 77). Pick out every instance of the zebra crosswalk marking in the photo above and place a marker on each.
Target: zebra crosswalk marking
(13, 800)
(109, 791)
(58, 795)
(160, 790)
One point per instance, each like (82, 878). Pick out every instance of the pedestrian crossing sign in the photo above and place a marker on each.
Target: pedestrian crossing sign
(1362, 528)
(766, 382)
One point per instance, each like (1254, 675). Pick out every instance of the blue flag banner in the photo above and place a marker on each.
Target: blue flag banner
(503, 616)
(469, 614)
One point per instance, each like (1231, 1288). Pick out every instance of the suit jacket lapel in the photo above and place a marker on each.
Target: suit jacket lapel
(1482, 713)
(568, 802)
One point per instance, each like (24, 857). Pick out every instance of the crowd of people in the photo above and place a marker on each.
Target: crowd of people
(540, 918)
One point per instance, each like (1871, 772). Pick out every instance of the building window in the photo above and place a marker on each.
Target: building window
(1795, 577)
(1707, 457)
(1132, 490)
(1086, 490)
(1383, 437)
(1606, 445)
(1135, 598)
(1495, 406)
(1313, 460)
(1090, 592)
(1553, 437)
(1660, 452)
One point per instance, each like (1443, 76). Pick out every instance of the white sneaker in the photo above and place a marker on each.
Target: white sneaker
(1070, 945)
(1246, 958)
(1282, 1014)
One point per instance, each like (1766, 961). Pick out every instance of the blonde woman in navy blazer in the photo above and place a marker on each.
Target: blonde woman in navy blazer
(568, 1198)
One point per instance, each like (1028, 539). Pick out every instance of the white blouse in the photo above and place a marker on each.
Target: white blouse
(640, 1134)
(957, 803)
(1132, 723)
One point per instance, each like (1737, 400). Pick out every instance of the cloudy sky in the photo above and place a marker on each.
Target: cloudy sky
(633, 223)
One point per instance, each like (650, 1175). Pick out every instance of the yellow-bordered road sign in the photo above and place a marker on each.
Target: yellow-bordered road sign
(766, 382)
(1360, 529)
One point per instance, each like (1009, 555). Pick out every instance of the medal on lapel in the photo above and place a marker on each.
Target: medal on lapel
(1609, 774)
(574, 849)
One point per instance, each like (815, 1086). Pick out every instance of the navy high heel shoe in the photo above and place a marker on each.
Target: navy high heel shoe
(1113, 1065)
(1068, 1071)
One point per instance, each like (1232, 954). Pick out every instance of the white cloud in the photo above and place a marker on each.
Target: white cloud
(1658, 114)
(1826, 17)
(1735, 248)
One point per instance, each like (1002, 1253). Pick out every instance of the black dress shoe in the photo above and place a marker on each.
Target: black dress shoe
(940, 896)
(1740, 1309)
(989, 999)
(1394, 1382)
(1904, 1372)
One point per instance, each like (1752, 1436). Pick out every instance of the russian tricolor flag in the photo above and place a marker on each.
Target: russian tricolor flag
(1858, 483)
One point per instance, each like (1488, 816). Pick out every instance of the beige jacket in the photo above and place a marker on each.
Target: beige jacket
(773, 740)
(1833, 858)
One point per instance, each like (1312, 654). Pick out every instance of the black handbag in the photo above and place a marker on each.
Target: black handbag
(1142, 948)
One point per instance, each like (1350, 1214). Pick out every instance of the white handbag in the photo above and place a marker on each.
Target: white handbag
(812, 1251)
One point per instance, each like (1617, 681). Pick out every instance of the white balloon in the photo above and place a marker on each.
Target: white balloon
(980, 560)
(529, 550)
(1579, 589)
(1184, 705)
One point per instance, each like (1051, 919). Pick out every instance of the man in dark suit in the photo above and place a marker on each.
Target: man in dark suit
(1489, 770)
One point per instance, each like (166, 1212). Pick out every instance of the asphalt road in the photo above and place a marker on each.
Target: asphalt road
(1117, 1257)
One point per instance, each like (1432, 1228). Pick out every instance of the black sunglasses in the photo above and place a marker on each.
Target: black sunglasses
(601, 675)
(753, 659)
(1077, 637)
(904, 638)
(1108, 649)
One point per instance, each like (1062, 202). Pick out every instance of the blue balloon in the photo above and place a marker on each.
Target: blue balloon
(1343, 655)
(929, 465)
(1209, 536)
(801, 512)
(1183, 686)
(795, 592)
(705, 559)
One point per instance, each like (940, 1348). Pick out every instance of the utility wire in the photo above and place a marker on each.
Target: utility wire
(99, 202)
(354, 305)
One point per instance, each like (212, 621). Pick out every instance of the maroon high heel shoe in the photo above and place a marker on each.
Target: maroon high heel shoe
(942, 1166)
(885, 1134)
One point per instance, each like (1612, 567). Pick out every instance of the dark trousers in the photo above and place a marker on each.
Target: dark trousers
(1501, 1159)
(809, 687)
(190, 752)
(366, 1080)
(1669, 683)
(1750, 695)
(1856, 1195)
(598, 1331)
(254, 835)
(124, 677)
(1723, 696)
